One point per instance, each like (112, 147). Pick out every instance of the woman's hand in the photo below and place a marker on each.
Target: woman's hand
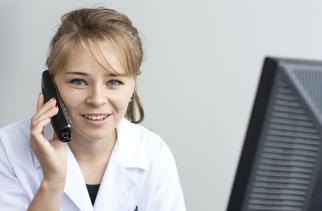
(51, 154)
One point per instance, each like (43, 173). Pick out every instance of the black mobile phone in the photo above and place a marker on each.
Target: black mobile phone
(60, 122)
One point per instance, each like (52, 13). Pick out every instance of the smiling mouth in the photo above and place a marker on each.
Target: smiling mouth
(95, 117)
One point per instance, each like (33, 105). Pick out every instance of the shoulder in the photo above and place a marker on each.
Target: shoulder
(142, 146)
(142, 136)
(14, 140)
(15, 132)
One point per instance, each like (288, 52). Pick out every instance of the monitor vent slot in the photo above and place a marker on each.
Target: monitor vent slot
(289, 151)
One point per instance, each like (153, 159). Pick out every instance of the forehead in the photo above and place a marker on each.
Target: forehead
(91, 56)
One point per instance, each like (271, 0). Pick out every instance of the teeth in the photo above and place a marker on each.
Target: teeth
(95, 117)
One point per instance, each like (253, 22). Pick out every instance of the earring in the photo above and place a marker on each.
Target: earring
(131, 100)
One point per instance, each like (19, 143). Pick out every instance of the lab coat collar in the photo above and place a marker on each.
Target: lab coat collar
(130, 141)
(127, 164)
(75, 187)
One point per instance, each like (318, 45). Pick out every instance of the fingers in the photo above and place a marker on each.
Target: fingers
(44, 107)
(40, 101)
(39, 117)
(43, 115)
(37, 127)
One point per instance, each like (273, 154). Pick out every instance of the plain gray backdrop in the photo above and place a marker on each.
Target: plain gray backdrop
(199, 75)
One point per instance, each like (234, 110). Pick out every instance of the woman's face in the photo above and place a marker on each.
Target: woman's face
(96, 100)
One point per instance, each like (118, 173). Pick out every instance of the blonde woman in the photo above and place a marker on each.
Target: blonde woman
(111, 163)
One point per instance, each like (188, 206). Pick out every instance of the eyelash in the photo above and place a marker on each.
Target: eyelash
(75, 81)
(118, 82)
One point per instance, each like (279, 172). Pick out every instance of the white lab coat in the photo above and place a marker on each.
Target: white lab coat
(141, 172)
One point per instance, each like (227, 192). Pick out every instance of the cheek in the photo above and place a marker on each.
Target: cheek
(120, 102)
(71, 100)
(121, 99)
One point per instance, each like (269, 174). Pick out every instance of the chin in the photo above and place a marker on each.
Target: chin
(93, 134)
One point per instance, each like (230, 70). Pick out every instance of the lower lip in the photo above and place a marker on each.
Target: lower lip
(96, 123)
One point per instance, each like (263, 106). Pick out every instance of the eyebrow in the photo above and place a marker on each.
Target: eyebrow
(85, 74)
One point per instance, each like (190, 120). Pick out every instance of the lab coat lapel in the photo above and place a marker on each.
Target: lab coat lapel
(75, 187)
(126, 166)
(116, 185)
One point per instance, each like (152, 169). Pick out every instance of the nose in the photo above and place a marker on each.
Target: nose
(97, 96)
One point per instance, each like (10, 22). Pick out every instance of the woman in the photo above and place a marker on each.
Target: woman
(111, 163)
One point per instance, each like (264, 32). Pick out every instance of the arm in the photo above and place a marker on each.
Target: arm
(48, 197)
(52, 158)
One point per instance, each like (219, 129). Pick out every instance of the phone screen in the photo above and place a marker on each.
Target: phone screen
(60, 122)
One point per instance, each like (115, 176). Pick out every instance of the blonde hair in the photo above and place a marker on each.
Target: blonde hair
(87, 26)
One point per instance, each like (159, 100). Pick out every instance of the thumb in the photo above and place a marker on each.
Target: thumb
(55, 137)
(59, 146)
(56, 142)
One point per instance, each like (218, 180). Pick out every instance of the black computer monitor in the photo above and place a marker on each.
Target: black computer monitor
(280, 167)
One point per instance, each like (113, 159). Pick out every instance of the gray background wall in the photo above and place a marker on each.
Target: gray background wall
(200, 72)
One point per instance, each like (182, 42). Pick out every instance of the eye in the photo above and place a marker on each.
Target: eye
(114, 83)
(78, 82)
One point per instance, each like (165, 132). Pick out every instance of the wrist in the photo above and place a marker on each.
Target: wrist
(48, 197)
(54, 185)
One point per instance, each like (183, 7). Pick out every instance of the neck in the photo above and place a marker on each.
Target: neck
(86, 150)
